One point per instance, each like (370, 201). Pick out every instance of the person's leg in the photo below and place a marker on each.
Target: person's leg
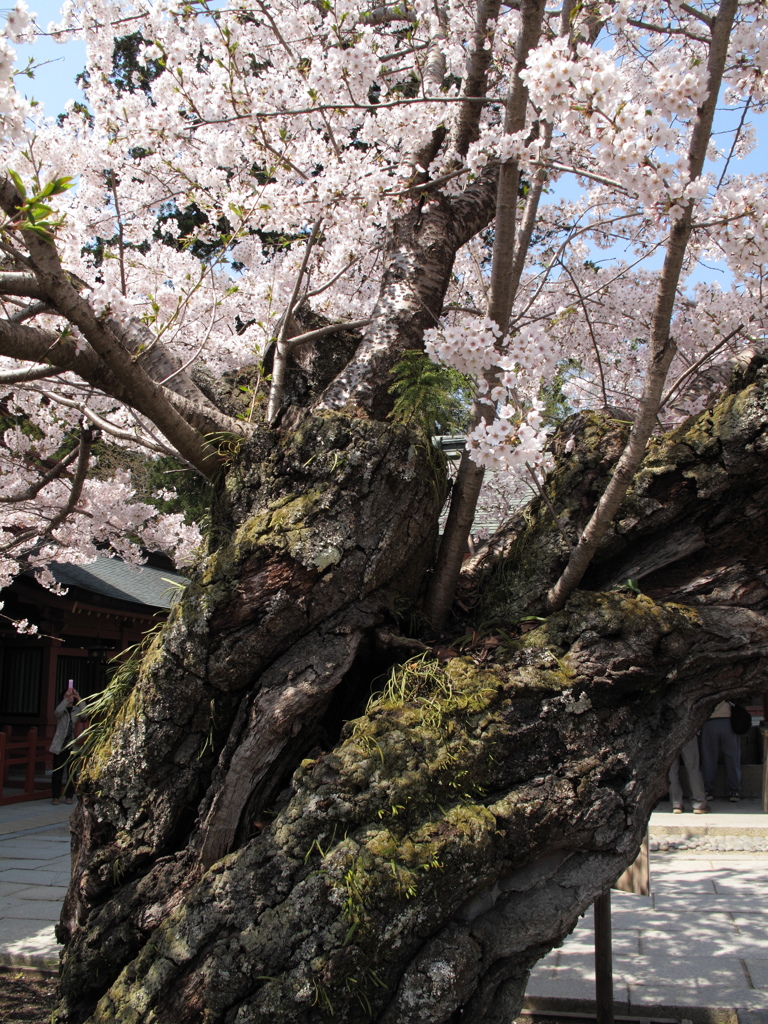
(710, 748)
(70, 779)
(675, 788)
(57, 776)
(690, 754)
(731, 744)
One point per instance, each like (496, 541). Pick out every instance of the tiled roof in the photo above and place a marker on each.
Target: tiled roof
(112, 578)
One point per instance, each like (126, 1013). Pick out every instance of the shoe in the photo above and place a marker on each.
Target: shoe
(734, 797)
(704, 809)
(678, 810)
(55, 800)
(709, 796)
(68, 800)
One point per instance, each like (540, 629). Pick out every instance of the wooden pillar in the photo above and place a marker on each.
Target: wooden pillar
(603, 960)
(48, 693)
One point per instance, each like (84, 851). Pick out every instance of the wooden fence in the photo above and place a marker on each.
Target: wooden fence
(30, 758)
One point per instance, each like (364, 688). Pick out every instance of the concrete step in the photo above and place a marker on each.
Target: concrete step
(745, 818)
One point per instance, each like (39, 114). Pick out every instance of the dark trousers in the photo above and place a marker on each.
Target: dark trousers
(718, 737)
(59, 776)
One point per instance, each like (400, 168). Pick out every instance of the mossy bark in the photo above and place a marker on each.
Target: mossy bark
(416, 869)
(691, 527)
(316, 541)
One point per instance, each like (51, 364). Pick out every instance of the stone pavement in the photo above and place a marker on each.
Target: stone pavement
(34, 873)
(696, 949)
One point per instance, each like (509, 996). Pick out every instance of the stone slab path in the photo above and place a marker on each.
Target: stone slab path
(696, 949)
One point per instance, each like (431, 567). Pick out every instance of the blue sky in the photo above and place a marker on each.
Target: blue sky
(54, 81)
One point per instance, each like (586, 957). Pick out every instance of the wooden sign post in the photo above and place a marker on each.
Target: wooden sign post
(636, 879)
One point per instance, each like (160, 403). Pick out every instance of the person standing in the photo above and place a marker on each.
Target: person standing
(690, 756)
(67, 713)
(716, 736)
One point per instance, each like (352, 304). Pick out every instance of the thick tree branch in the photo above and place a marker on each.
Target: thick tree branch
(506, 271)
(16, 282)
(31, 373)
(142, 392)
(281, 352)
(61, 353)
(475, 83)
(38, 345)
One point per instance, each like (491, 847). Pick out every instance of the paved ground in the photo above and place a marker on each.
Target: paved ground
(697, 948)
(34, 872)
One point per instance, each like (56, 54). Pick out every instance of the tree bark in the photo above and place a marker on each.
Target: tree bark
(317, 538)
(236, 860)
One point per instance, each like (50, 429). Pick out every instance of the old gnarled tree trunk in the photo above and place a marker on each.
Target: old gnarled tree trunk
(237, 860)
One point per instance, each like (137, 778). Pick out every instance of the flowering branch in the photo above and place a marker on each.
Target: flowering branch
(661, 345)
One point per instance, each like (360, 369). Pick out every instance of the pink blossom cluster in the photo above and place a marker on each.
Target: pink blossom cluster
(268, 118)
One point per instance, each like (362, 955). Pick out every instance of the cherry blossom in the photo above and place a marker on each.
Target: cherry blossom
(265, 119)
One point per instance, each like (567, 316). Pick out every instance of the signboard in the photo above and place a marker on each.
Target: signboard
(637, 877)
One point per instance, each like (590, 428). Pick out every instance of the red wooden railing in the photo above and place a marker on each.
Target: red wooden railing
(30, 754)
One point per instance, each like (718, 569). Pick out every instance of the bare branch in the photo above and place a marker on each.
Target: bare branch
(333, 280)
(581, 172)
(52, 474)
(661, 347)
(370, 107)
(694, 12)
(81, 473)
(691, 370)
(31, 373)
(405, 52)
(548, 503)
(321, 332)
(83, 454)
(30, 311)
(666, 30)
(281, 351)
(736, 137)
(587, 317)
(107, 427)
(120, 233)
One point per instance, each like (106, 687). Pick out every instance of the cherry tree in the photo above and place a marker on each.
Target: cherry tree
(224, 258)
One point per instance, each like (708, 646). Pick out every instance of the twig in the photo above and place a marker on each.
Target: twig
(550, 506)
(371, 107)
(700, 362)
